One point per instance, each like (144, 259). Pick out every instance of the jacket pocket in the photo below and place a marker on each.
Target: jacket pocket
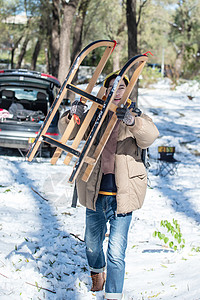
(135, 168)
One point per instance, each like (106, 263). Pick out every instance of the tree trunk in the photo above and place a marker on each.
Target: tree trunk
(179, 62)
(55, 36)
(76, 47)
(13, 52)
(35, 54)
(132, 27)
(119, 47)
(78, 28)
(47, 60)
(132, 39)
(12, 58)
(22, 52)
(77, 39)
(64, 63)
(116, 57)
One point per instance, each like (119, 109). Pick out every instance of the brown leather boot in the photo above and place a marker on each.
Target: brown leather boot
(98, 280)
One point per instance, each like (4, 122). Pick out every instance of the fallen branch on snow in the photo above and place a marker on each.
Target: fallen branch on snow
(77, 237)
(39, 194)
(40, 287)
(3, 275)
(35, 285)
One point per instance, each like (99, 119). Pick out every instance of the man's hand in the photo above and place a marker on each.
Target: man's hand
(125, 115)
(77, 108)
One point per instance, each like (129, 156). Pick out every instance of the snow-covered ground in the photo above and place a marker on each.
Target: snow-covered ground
(42, 253)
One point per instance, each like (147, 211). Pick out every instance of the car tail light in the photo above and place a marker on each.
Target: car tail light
(1, 71)
(52, 133)
(49, 133)
(49, 76)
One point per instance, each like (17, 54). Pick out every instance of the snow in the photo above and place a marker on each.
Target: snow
(42, 253)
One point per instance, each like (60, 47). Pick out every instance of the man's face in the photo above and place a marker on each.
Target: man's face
(119, 93)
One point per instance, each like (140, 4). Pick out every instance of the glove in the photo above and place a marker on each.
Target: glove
(77, 108)
(124, 114)
(137, 111)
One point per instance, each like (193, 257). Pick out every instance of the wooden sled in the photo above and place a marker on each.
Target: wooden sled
(138, 62)
(82, 156)
(110, 45)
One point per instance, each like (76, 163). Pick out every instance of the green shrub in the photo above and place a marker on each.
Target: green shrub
(173, 238)
(149, 76)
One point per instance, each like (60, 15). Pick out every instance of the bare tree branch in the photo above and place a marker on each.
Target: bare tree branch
(140, 10)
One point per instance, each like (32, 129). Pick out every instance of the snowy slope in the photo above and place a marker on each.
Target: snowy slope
(42, 253)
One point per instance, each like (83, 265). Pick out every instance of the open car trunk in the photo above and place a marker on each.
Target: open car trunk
(25, 98)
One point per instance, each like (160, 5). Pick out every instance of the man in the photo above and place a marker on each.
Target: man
(116, 188)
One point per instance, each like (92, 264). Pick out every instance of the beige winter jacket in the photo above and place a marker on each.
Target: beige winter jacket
(130, 172)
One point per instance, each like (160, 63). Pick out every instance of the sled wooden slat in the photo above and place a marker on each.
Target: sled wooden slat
(84, 95)
(60, 145)
(110, 45)
(89, 160)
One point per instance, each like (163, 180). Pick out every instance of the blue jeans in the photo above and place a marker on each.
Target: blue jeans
(96, 226)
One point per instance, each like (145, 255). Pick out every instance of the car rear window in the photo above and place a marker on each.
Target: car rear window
(28, 94)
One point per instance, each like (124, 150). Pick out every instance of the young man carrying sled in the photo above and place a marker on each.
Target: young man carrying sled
(116, 188)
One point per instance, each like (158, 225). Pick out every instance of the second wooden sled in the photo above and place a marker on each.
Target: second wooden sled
(138, 62)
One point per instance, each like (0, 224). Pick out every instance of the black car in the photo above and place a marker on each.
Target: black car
(25, 98)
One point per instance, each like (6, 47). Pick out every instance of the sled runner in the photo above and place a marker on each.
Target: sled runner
(138, 63)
